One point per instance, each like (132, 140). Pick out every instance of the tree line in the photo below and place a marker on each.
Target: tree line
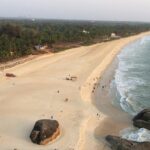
(19, 37)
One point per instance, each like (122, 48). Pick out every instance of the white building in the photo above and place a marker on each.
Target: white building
(114, 36)
(85, 32)
(41, 47)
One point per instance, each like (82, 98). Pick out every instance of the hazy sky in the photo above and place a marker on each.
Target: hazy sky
(125, 10)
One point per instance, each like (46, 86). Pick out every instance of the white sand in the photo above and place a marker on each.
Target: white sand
(33, 95)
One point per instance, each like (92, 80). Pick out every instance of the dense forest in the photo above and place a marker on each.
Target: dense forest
(20, 37)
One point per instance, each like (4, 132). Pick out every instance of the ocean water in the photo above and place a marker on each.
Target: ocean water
(130, 88)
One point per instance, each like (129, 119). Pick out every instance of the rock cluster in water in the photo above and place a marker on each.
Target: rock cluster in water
(45, 131)
(141, 120)
(118, 143)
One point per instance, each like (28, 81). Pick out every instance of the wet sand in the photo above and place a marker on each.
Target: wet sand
(116, 119)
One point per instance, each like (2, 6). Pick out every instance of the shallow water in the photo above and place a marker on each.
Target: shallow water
(131, 87)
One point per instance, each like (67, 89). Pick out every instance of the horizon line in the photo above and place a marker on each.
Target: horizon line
(69, 19)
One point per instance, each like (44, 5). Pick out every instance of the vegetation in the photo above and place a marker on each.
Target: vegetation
(19, 37)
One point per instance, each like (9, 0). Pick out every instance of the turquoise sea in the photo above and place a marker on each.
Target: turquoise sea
(130, 88)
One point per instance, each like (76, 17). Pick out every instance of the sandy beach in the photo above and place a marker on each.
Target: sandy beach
(40, 91)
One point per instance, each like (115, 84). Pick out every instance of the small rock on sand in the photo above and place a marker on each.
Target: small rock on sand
(11, 75)
(66, 100)
(103, 87)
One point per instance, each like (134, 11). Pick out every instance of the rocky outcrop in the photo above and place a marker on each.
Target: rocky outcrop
(117, 143)
(142, 119)
(45, 131)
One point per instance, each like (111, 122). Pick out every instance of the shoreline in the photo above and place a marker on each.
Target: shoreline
(33, 95)
(106, 123)
(116, 118)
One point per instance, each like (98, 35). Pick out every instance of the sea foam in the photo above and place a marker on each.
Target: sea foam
(131, 87)
(140, 135)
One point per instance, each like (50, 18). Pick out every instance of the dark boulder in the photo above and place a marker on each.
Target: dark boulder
(118, 143)
(10, 75)
(45, 131)
(142, 119)
(142, 124)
